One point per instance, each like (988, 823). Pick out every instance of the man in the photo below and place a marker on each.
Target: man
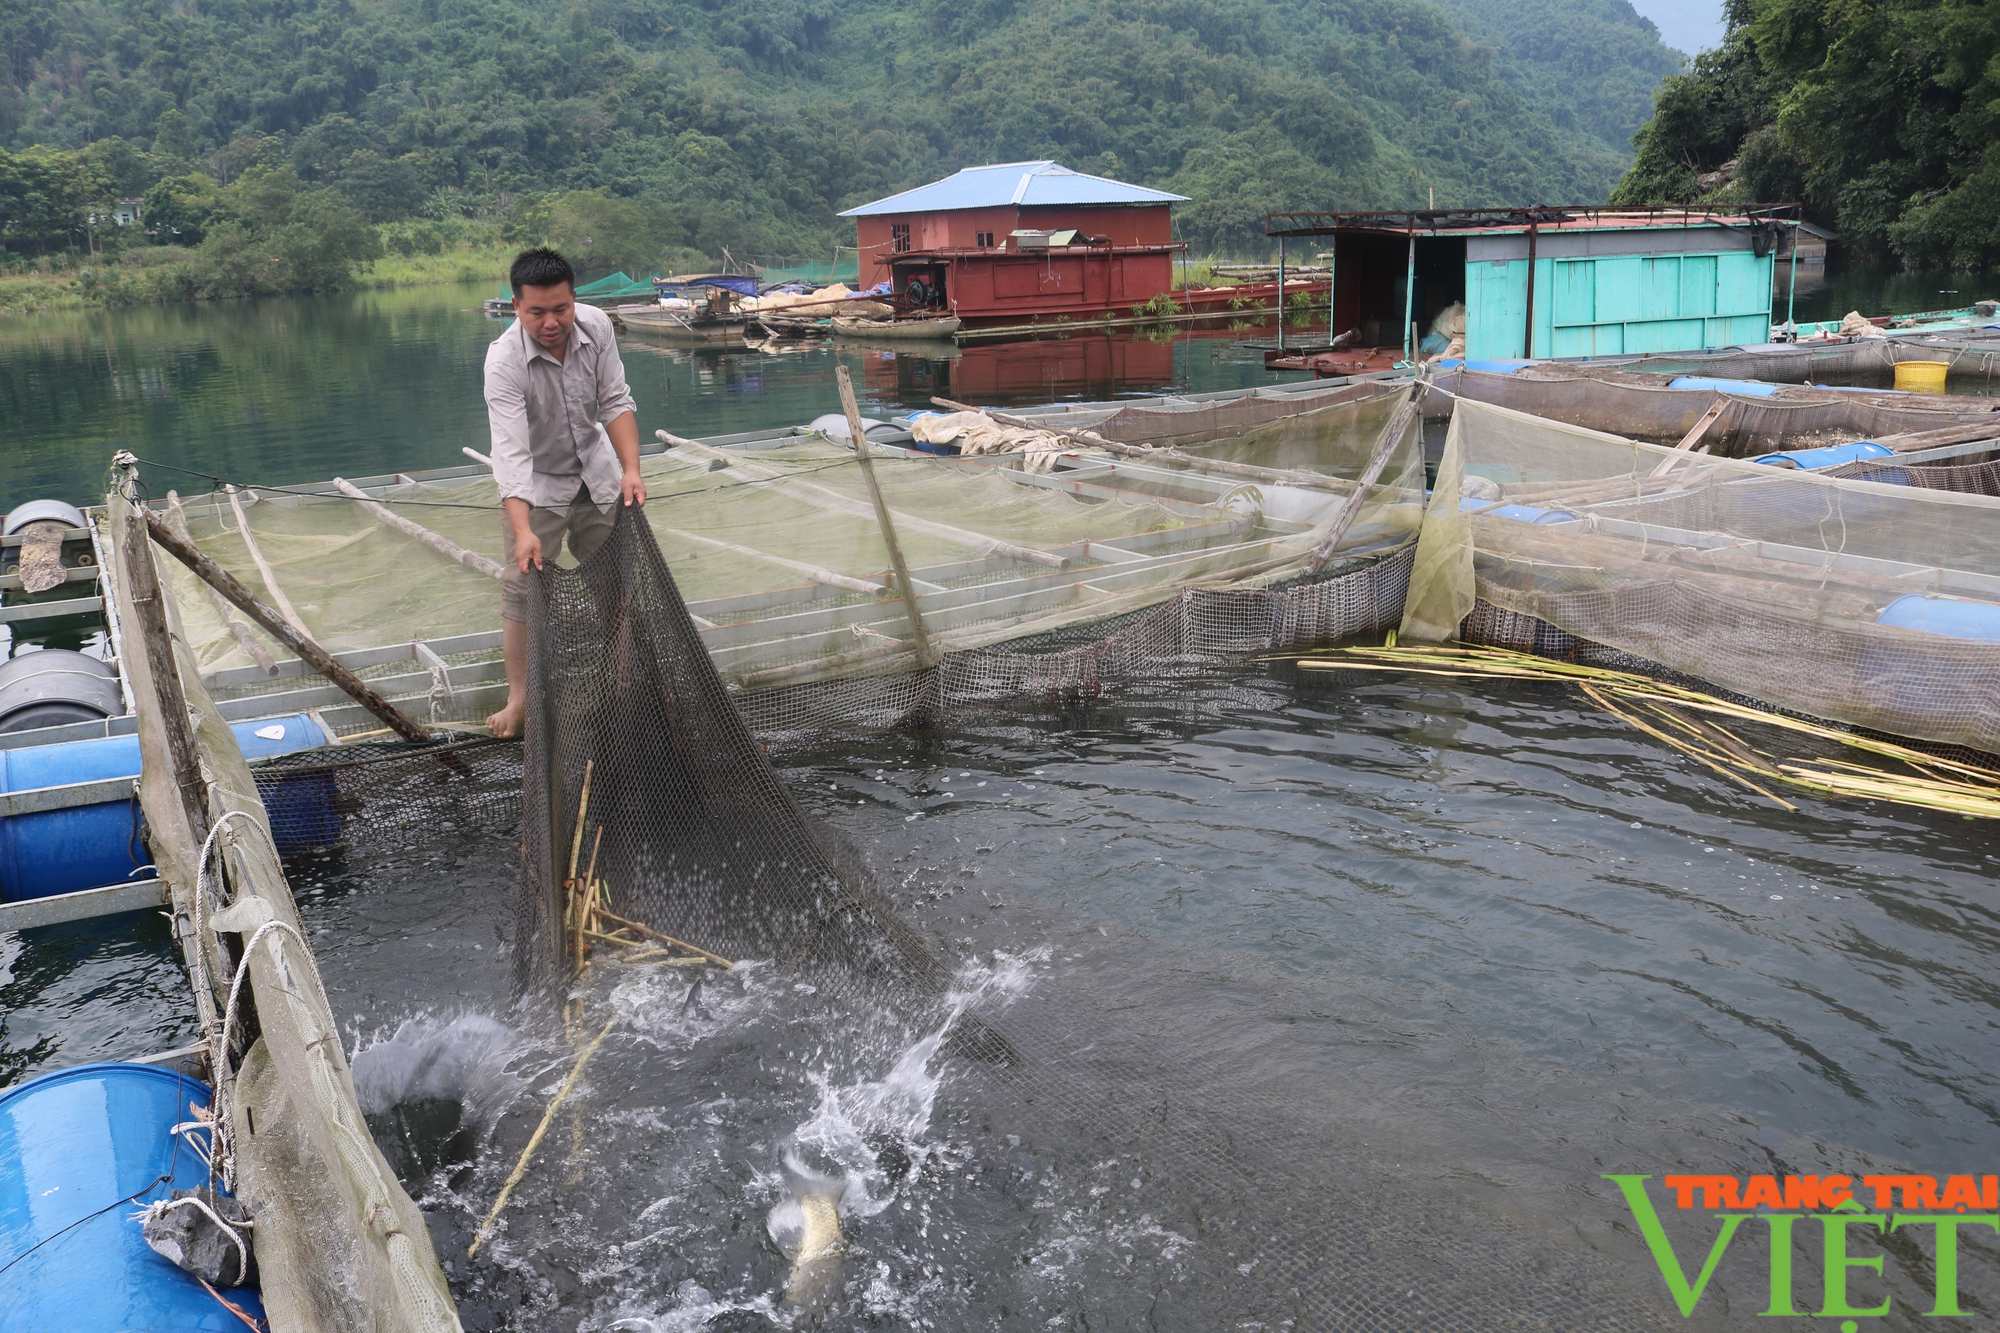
(565, 443)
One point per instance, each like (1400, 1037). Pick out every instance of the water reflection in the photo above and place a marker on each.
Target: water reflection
(305, 388)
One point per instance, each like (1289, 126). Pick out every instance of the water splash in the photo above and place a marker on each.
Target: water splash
(863, 1139)
(463, 1059)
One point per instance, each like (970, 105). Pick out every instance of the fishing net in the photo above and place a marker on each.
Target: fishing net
(1968, 475)
(784, 567)
(1866, 603)
(632, 731)
(1642, 406)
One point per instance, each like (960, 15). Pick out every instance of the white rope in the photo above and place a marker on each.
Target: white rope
(158, 1206)
(223, 1134)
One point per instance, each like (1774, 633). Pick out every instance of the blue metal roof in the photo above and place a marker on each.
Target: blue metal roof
(1014, 183)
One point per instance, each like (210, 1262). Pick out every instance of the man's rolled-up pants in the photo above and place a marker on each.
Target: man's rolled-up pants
(586, 526)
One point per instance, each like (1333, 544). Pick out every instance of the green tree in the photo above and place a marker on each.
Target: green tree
(1882, 118)
(178, 209)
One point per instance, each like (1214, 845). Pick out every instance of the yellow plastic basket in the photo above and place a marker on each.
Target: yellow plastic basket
(1921, 376)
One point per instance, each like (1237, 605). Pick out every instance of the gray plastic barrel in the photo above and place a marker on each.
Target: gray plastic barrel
(54, 686)
(41, 511)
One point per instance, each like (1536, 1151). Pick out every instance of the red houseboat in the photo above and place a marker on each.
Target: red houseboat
(1019, 242)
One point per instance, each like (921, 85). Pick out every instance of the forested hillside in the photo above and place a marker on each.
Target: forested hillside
(749, 123)
(1882, 118)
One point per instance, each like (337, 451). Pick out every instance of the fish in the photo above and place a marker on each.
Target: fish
(692, 1005)
(818, 1245)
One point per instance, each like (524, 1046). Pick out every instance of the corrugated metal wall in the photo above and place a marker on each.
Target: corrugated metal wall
(1605, 305)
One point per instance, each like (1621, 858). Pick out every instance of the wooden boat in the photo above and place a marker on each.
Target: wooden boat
(897, 330)
(689, 326)
(791, 326)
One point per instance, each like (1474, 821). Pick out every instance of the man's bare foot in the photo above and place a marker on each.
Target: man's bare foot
(506, 723)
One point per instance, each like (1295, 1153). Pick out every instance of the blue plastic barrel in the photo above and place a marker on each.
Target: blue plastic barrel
(1741, 388)
(1954, 617)
(1832, 455)
(89, 846)
(80, 1151)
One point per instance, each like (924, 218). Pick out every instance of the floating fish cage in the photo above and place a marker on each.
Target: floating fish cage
(1087, 547)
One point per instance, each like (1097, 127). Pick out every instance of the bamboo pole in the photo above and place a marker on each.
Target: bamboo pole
(926, 656)
(236, 627)
(1385, 445)
(142, 582)
(715, 958)
(823, 497)
(278, 628)
(816, 573)
(444, 546)
(535, 1140)
(264, 566)
(1708, 418)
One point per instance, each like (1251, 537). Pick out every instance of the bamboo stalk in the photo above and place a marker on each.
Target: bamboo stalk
(241, 632)
(1385, 445)
(444, 546)
(583, 916)
(285, 632)
(582, 810)
(814, 572)
(711, 545)
(667, 939)
(1692, 751)
(264, 566)
(823, 497)
(1973, 791)
(926, 655)
(548, 1118)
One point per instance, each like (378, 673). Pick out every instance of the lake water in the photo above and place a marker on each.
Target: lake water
(1446, 951)
(301, 389)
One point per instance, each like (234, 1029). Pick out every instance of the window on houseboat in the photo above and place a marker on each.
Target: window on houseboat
(899, 236)
(985, 240)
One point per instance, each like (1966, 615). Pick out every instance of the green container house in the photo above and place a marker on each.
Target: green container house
(1605, 282)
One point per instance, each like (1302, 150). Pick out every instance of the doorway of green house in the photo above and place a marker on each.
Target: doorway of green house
(1376, 287)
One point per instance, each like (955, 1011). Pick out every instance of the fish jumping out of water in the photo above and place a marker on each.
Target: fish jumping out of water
(812, 1240)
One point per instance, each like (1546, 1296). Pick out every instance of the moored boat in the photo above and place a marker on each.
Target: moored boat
(921, 329)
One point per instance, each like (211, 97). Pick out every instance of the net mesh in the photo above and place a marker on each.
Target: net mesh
(1967, 476)
(1642, 406)
(768, 544)
(701, 840)
(1785, 586)
(622, 687)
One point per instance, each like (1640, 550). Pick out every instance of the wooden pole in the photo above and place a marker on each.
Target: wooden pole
(1688, 441)
(1281, 293)
(826, 498)
(278, 628)
(926, 657)
(1410, 292)
(1528, 337)
(814, 572)
(183, 756)
(264, 566)
(451, 550)
(1385, 445)
(244, 637)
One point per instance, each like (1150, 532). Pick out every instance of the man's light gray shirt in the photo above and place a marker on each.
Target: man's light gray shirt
(548, 416)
